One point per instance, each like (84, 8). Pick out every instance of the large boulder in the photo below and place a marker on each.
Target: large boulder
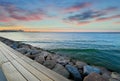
(44, 54)
(61, 70)
(90, 69)
(22, 50)
(105, 73)
(115, 75)
(40, 59)
(94, 77)
(14, 45)
(24, 46)
(63, 60)
(50, 63)
(49, 57)
(74, 72)
(80, 64)
(32, 52)
(112, 79)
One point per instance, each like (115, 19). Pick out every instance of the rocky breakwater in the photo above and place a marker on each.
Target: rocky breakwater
(72, 69)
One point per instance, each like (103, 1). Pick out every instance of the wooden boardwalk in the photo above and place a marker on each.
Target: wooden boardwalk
(17, 67)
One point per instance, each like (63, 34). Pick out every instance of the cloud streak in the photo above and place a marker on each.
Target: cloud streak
(107, 18)
(10, 12)
(91, 15)
(77, 7)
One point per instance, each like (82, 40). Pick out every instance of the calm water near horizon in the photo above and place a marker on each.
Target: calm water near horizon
(101, 49)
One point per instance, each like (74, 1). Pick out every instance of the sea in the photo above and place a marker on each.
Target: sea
(95, 48)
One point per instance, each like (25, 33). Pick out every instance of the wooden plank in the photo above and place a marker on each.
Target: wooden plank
(10, 49)
(3, 59)
(55, 76)
(11, 73)
(6, 54)
(35, 72)
(38, 74)
(24, 72)
(30, 65)
(18, 53)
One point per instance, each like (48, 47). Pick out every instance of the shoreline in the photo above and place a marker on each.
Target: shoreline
(67, 67)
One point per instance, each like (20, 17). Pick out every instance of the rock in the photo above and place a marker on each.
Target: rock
(115, 75)
(94, 77)
(74, 72)
(49, 57)
(80, 64)
(32, 52)
(32, 56)
(61, 70)
(105, 73)
(44, 54)
(112, 79)
(22, 50)
(40, 59)
(63, 60)
(50, 63)
(14, 45)
(89, 69)
(24, 46)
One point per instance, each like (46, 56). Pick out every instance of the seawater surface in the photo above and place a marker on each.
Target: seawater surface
(102, 49)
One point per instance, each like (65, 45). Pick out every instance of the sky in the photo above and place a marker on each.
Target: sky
(60, 15)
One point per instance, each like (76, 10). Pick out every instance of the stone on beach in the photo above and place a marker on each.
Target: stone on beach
(104, 72)
(63, 60)
(50, 64)
(40, 59)
(115, 75)
(14, 45)
(32, 52)
(89, 69)
(112, 79)
(94, 77)
(74, 72)
(80, 64)
(61, 70)
(22, 50)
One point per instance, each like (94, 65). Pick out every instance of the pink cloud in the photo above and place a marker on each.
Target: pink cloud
(12, 13)
(77, 7)
(107, 18)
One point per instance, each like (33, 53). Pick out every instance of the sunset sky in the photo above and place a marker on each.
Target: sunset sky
(60, 15)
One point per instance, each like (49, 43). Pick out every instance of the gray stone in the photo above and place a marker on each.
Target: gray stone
(94, 77)
(74, 72)
(89, 69)
(80, 64)
(32, 52)
(14, 45)
(112, 79)
(115, 75)
(63, 60)
(40, 59)
(49, 57)
(61, 70)
(44, 54)
(22, 50)
(50, 63)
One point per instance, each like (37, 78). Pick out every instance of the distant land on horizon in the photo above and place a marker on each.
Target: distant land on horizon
(56, 32)
(11, 30)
